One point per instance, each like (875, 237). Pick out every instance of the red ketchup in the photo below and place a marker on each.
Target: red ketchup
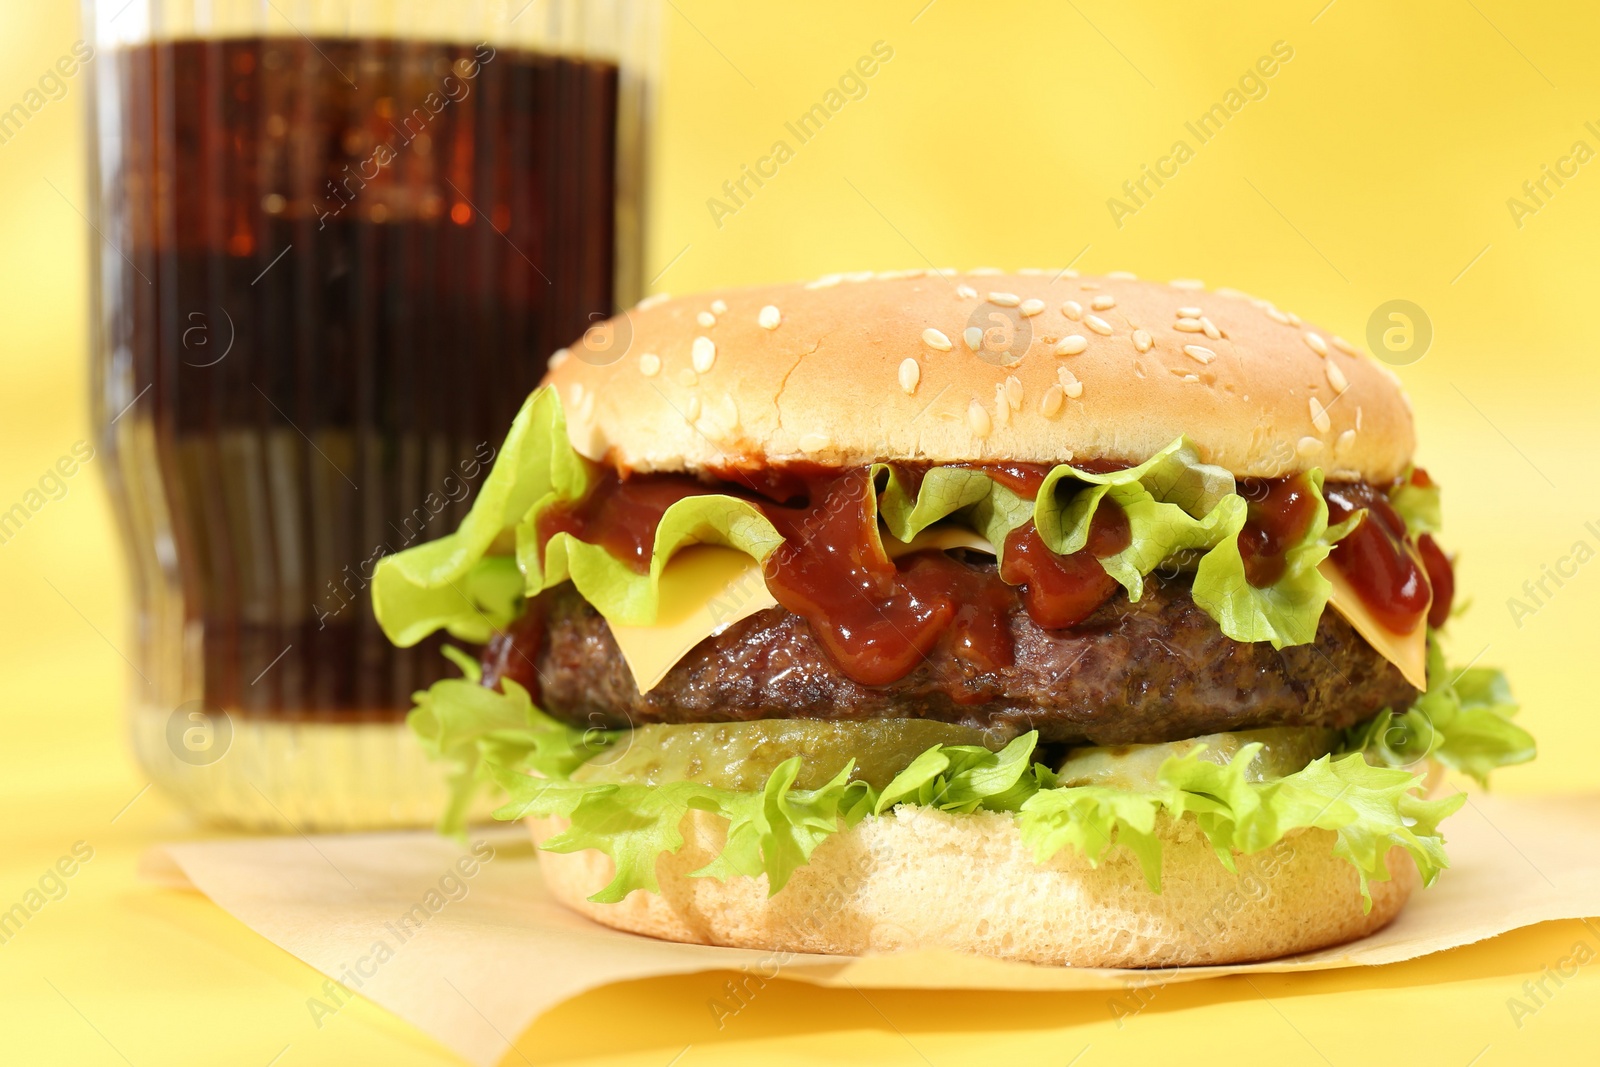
(879, 619)
(1062, 591)
(1279, 513)
(1375, 557)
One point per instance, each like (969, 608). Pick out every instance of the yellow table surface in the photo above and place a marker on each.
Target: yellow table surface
(1378, 165)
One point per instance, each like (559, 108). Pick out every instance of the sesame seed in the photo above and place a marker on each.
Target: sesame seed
(1191, 377)
(1336, 378)
(1069, 273)
(1002, 409)
(649, 364)
(1346, 347)
(1072, 310)
(1098, 325)
(1358, 416)
(1189, 313)
(719, 307)
(686, 377)
(558, 357)
(858, 276)
(1294, 320)
(1319, 416)
(706, 320)
(703, 354)
(577, 394)
(966, 292)
(815, 442)
(1030, 308)
(1344, 442)
(651, 301)
(1103, 302)
(1210, 328)
(1187, 283)
(1069, 383)
(1089, 285)
(1013, 391)
(1308, 446)
(1277, 316)
(973, 336)
(769, 317)
(1125, 275)
(692, 409)
(1005, 300)
(827, 281)
(1188, 326)
(1071, 345)
(1198, 353)
(978, 420)
(935, 339)
(1050, 403)
(1318, 345)
(1141, 340)
(910, 374)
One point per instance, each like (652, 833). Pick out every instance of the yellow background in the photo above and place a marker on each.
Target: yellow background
(1378, 166)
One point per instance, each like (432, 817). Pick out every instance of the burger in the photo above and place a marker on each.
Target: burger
(1073, 620)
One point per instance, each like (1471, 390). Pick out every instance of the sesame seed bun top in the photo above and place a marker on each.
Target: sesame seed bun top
(947, 367)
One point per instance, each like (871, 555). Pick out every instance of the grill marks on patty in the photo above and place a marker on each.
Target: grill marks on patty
(1156, 670)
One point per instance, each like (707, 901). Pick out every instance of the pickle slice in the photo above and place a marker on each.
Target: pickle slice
(1286, 749)
(743, 755)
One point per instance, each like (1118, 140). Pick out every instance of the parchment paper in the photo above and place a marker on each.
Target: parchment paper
(472, 950)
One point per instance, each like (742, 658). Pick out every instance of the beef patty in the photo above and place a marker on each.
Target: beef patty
(1156, 670)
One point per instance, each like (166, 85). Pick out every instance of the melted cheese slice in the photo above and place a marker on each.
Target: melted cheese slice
(707, 588)
(704, 590)
(1409, 651)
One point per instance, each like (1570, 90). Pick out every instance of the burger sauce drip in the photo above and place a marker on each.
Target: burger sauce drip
(831, 569)
(1061, 591)
(1280, 512)
(1376, 560)
(513, 652)
(622, 516)
(1441, 576)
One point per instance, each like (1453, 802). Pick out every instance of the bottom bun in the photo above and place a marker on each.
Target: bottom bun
(919, 878)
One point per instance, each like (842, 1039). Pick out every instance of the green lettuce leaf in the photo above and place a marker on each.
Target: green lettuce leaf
(469, 727)
(774, 831)
(958, 494)
(482, 601)
(1286, 612)
(633, 824)
(1418, 505)
(464, 581)
(1463, 721)
(964, 778)
(1173, 502)
(623, 595)
(1368, 808)
(1089, 819)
